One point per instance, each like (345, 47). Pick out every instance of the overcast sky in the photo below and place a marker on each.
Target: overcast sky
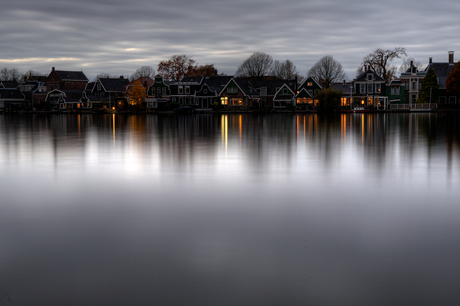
(119, 36)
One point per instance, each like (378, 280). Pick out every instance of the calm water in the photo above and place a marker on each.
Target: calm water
(230, 210)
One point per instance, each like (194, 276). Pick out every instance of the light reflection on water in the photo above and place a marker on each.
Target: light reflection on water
(229, 209)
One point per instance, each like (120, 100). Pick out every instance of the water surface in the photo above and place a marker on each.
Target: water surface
(234, 209)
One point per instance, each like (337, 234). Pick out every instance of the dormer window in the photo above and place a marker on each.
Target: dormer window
(309, 83)
(99, 86)
(369, 77)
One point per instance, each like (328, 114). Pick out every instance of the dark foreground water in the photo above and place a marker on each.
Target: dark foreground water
(230, 210)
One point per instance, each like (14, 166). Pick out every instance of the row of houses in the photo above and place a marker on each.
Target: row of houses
(71, 90)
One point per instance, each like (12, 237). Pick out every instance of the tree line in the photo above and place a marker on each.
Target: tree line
(326, 71)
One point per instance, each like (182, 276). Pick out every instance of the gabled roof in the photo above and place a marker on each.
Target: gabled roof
(69, 95)
(272, 85)
(244, 85)
(113, 84)
(190, 81)
(280, 96)
(145, 81)
(344, 88)
(310, 79)
(89, 86)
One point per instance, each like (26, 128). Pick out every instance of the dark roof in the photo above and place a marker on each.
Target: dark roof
(9, 84)
(215, 83)
(114, 84)
(11, 93)
(72, 75)
(442, 71)
(89, 86)
(272, 85)
(246, 87)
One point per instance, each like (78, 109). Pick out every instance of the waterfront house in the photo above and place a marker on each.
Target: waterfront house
(442, 70)
(208, 94)
(238, 94)
(183, 92)
(111, 92)
(158, 94)
(63, 79)
(369, 90)
(11, 99)
(305, 96)
(284, 96)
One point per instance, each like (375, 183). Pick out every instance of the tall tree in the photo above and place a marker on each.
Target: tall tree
(329, 99)
(137, 94)
(176, 67)
(380, 60)
(143, 72)
(429, 91)
(453, 81)
(285, 70)
(327, 71)
(256, 66)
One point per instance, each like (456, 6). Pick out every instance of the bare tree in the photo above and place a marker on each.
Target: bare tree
(285, 70)
(380, 60)
(143, 72)
(10, 74)
(103, 75)
(256, 66)
(327, 71)
(407, 64)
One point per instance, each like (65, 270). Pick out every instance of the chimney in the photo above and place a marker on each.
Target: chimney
(121, 77)
(52, 68)
(411, 63)
(343, 82)
(430, 60)
(451, 57)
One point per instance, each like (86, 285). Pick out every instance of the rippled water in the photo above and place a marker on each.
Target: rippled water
(234, 209)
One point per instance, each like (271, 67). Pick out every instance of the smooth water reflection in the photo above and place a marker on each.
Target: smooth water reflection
(230, 210)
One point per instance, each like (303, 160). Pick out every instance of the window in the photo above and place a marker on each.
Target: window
(452, 100)
(395, 90)
(377, 88)
(362, 88)
(164, 91)
(285, 91)
(309, 83)
(414, 85)
(369, 77)
(232, 90)
(224, 100)
(369, 88)
(263, 91)
(187, 90)
(99, 86)
(180, 90)
(237, 101)
(159, 91)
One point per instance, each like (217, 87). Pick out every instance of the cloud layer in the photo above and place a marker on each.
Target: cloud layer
(118, 37)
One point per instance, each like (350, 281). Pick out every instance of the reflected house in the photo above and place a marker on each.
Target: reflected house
(305, 96)
(111, 92)
(238, 94)
(368, 88)
(158, 94)
(284, 96)
(208, 94)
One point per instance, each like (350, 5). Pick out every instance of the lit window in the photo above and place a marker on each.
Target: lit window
(237, 101)
(369, 88)
(377, 88)
(224, 100)
(180, 90)
(187, 90)
(309, 83)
